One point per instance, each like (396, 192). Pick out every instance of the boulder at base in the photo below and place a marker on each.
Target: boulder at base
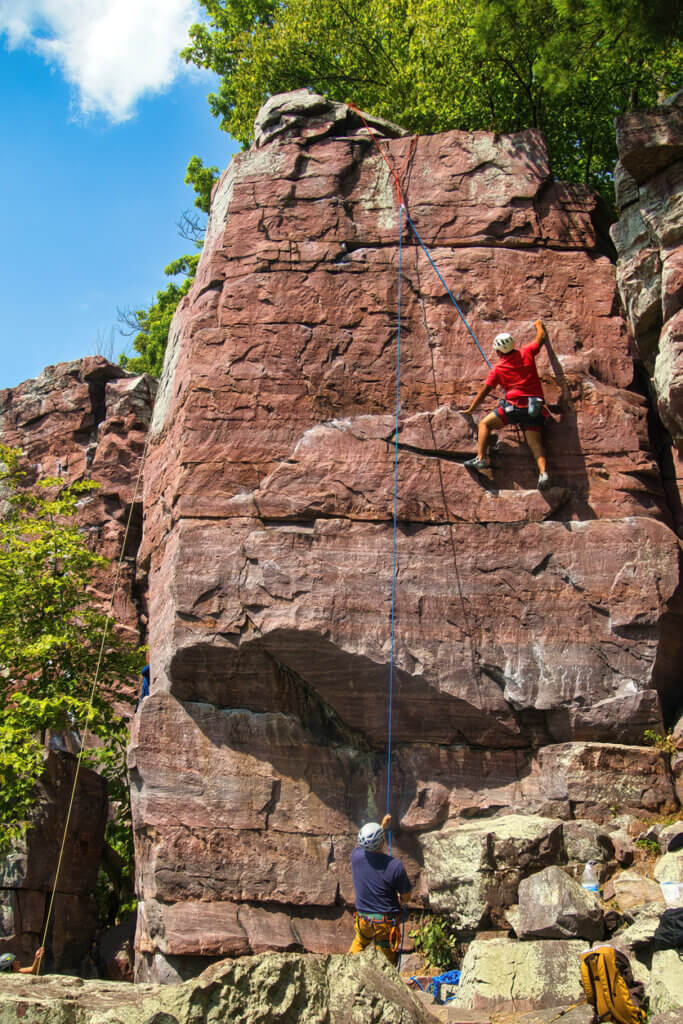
(669, 1017)
(478, 865)
(506, 976)
(666, 981)
(263, 989)
(553, 906)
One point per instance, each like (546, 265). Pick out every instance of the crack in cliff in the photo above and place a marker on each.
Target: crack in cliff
(661, 444)
(272, 803)
(215, 285)
(437, 453)
(542, 565)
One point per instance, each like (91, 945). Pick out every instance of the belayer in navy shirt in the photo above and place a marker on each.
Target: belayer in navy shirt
(381, 885)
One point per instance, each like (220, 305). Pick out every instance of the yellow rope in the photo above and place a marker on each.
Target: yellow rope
(92, 692)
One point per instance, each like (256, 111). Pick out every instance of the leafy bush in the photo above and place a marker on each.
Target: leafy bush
(667, 742)
(436, 940)
(54, 642)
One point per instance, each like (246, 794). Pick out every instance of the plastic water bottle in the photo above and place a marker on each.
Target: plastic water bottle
(589, 879)
(671, 891)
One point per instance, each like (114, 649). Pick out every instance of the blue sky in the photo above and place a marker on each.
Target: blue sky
(94, 150)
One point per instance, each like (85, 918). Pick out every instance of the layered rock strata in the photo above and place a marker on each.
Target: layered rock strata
(649, 186)
(534, 632)
(89, 418)
(82, 419)
(28, 871)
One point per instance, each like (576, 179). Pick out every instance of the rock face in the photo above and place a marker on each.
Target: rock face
(503, 975)
(649, 180)
(534, 632)
(257, 990)
(85, 418)
(88, 418)
(27, 873)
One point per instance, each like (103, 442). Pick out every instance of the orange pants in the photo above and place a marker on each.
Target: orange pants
(386, 935)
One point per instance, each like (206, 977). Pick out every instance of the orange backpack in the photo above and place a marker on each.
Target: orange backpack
(609, 986)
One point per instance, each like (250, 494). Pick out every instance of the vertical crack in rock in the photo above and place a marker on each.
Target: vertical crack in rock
(273, 801)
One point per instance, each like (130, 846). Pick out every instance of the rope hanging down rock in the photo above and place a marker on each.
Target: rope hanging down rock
(107, 622)
(402, 211)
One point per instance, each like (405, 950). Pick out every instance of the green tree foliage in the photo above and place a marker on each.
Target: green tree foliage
(577, 64)
(437, 941)
(51, 643)
(566, 67)
(202, 180)
(151, 326)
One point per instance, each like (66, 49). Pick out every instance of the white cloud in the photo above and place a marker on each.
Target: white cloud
(112, 52)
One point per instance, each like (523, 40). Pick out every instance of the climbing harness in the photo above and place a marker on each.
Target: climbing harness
(383, 929)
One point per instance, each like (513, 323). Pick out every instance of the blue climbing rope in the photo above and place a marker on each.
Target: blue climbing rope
(450, 293)
(402, 211)
(395, 533)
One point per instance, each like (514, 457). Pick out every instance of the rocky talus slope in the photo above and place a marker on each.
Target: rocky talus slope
(537, 634)
(255, 990)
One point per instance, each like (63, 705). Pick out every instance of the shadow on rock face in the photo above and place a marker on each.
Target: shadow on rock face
(338, 696)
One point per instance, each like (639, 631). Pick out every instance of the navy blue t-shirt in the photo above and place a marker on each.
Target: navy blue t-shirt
(377, 879)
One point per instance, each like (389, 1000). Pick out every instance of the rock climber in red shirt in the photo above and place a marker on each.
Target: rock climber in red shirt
(524, 403)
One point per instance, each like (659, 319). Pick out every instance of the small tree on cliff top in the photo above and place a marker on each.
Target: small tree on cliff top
(51, 631)
(150, 326)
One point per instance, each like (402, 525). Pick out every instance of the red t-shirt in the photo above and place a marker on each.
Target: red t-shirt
(516, 374)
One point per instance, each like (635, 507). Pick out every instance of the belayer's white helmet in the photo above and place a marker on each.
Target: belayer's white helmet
(371, 836)
(503, 343)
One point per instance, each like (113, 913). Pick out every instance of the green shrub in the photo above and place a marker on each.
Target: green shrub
(436, 940)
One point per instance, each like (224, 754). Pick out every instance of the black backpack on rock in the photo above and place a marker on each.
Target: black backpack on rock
(669, 931)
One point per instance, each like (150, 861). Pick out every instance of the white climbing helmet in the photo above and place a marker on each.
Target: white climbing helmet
(6, 961)
(503, 343)
(371, 836)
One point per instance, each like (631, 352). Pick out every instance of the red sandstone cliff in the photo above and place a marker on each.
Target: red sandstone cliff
(84, 418)
(88, 418)
(534, 632)
(649, 184)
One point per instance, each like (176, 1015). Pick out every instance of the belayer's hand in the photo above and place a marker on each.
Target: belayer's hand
(386, 822)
